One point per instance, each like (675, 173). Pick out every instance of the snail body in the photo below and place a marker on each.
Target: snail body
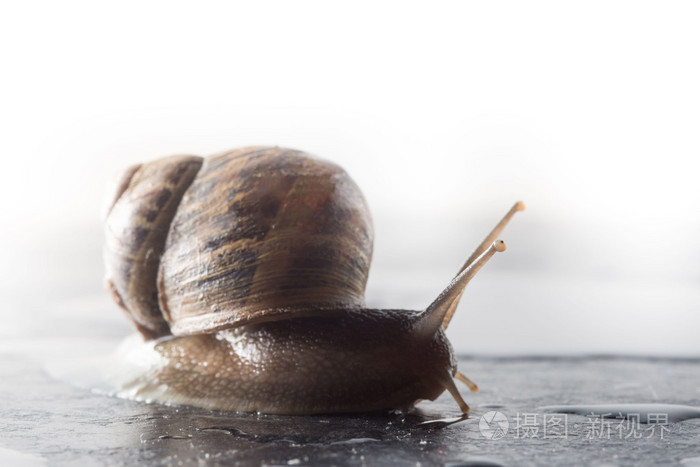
(245, 274)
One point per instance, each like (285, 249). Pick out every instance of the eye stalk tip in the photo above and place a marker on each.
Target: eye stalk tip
(499, 245)
(519, 206)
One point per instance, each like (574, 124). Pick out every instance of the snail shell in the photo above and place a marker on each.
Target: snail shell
(249, 235)
(245, 273)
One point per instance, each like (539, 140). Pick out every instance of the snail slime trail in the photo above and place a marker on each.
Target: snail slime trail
(244, 274)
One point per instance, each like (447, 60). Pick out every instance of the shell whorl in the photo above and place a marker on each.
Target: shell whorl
(136, 228)
(259, 234)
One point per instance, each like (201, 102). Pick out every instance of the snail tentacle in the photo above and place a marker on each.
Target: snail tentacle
(470, 384)
(433, 316)
(449, 384)
(490, 238)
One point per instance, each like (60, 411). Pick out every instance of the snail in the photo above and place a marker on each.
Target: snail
(244, 273)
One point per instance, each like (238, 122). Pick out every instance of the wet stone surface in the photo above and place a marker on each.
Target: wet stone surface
(45, 421)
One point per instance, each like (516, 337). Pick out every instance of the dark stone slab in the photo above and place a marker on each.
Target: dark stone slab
(48, 421)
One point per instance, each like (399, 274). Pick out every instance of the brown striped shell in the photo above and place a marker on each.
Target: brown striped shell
(255, 234)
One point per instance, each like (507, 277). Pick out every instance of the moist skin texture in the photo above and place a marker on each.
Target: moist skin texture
(362, 361)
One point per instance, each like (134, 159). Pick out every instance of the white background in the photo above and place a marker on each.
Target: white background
(443, 112)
